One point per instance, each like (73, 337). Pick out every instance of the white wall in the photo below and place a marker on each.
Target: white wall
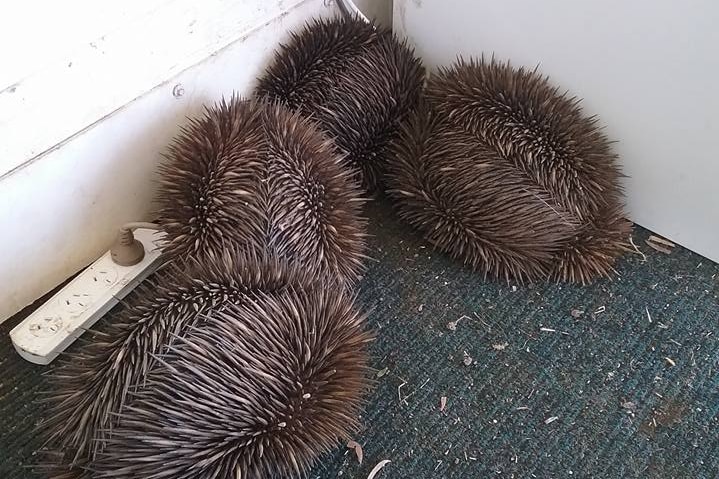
(649, 69)
(79, 144)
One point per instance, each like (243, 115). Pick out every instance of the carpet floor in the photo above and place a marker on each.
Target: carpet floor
(481, 379)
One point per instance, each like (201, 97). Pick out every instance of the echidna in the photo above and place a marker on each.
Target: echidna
(254, 175)
(356, 79)
(502, 171)
(258, 391)
(93, 388)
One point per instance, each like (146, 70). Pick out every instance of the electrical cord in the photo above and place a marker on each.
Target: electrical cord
(348, 8)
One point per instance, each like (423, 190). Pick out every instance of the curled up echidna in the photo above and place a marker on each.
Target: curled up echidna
(500, 170)
(259, 391)
(255, 175)
(355, 79)
(263, 228)
(245, 366)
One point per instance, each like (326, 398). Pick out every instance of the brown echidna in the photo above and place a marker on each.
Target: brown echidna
(254, 175)
(355, 79)
(92, 389)
(259, 391)
(502, 171)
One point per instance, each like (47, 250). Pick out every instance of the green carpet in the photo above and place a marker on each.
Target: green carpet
(627, 388)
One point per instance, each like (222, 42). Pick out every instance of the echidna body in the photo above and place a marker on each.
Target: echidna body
(503, 172)
(254, 175)
(92, 389)
(259, 391)
(100, 373)
(355, 79)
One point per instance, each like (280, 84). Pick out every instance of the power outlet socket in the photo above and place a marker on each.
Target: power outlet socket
(75, 308)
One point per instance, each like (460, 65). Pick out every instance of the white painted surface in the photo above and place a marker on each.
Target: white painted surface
(60, 210)
(34, 33)
(119, 66)
(648, 69)
(51, 328)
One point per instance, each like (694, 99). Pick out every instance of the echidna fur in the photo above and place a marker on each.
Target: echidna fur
(258, 391)
(356, 79)
(255, 175)
(54, 464)
(92, 385)
(505, 173)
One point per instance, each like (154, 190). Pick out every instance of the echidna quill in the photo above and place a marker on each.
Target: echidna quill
(355, 79)
(255, 175)
(95, 388)
(259, 391)
(508, 175)
(52, 465)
